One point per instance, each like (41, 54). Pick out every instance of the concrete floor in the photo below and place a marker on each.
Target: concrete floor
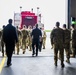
(41, 65)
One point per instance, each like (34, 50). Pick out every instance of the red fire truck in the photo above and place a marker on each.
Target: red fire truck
(26, 18)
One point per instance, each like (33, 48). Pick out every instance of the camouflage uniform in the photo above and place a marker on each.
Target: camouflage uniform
(44, 39)
(27, 39)
(24, 39)
(57, 40)
(0, 38)
(67, 37)
(19, 40)
(51, 40)
(74, 42)
(2, 44)
(30, 40)
(71, 42)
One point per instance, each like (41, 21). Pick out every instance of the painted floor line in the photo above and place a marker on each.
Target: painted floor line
(2, 64)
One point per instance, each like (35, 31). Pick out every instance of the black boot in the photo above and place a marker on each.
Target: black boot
(62, 65)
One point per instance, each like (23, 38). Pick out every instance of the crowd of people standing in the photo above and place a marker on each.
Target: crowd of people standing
(13, 38)
(63, 39)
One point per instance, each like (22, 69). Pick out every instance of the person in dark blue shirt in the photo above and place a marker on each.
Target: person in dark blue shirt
(36, 36)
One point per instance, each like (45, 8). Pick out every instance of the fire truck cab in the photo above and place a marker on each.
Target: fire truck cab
(28, 18)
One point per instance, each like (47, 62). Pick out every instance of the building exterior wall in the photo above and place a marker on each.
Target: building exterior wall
(73, 8)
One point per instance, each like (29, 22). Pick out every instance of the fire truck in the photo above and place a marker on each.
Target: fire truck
(27, 18)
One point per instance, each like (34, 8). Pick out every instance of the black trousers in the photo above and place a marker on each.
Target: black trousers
(9, 51)
(9, 56)
(35, 45)
(2, 45)
(40, 46)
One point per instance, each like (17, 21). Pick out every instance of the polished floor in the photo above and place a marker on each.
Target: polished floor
(41, 65)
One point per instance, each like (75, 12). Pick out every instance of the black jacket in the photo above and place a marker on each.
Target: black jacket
(10, 36)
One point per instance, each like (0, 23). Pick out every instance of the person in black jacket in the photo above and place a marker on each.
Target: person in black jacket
(10, 37)
(36, 36)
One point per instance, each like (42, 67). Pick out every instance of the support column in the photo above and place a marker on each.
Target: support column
(69, 14)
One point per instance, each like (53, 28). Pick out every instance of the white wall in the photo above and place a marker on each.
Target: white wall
(51, 10)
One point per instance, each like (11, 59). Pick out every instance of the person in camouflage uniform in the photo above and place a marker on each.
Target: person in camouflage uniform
(2, 43)
(0, 38)
(57, 40)
(67, 38)
(24, 38)
(73, 37)
(51, 39)
(29, 38)
(19, 39)
(44, 39)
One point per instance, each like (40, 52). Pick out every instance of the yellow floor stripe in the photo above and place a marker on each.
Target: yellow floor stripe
(2, 63)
